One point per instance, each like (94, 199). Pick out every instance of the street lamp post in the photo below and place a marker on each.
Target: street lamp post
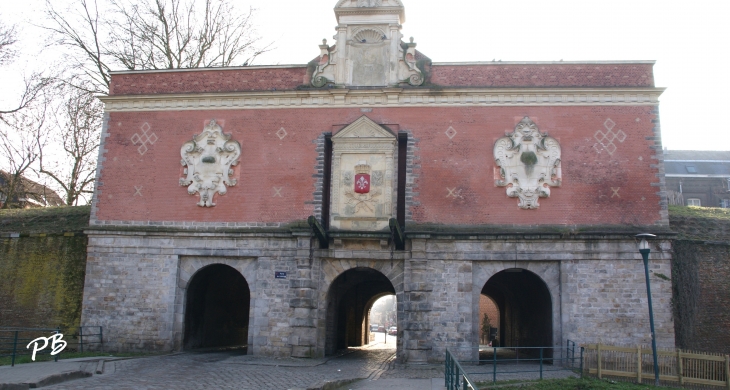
(644, 250)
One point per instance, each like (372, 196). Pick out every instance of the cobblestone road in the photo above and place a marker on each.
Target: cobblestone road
(231, 370)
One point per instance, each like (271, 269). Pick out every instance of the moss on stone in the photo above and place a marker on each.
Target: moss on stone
(48, 220)
(43, 281)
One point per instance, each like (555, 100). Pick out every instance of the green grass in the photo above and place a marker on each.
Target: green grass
(699, 212)
(700, 223)
(49, 220)
(570, 384)
(6, 361)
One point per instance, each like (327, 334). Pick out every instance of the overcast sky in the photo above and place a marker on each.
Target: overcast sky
(690, 40)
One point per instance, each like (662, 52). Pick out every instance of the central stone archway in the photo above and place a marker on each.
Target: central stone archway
(217, 308)
(349, 299)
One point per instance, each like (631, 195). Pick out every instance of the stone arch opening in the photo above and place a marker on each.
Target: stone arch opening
(525, 308)
(217, 308)
(349, 300)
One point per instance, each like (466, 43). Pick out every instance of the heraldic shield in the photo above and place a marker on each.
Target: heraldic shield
(362, 178)
(208, 158)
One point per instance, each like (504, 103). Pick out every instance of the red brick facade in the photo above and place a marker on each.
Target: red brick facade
(543, 75)
(283, 78)
(598, 188)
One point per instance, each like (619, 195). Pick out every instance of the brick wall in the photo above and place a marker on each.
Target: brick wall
(599, 188)
(543, 75)
(487, 305)
(701, 277)
(209, 80)
(445, 75)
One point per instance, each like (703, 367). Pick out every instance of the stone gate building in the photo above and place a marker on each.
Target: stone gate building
(272, 205)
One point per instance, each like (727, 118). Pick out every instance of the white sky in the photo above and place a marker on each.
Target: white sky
(690, 40)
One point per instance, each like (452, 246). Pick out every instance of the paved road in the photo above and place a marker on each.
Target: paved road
(232, 370)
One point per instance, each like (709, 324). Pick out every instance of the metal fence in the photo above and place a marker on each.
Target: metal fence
(455, 376)
(521, 363)
(18, 342)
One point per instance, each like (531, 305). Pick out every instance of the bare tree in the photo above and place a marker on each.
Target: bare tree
(81, 29)
(154, 34)
(8, 38)
(77, 127)
(34, 84)
(22, 135)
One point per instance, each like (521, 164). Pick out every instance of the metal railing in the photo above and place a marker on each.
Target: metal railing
(455, 376)
(14, 341)
(516, 363)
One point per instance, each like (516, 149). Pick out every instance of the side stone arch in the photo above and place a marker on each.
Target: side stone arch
(547, 271)
(188, 267)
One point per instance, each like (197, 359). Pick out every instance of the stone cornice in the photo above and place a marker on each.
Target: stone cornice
(386, 97)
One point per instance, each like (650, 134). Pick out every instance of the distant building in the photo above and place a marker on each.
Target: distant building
(698, 177)
(29, 193)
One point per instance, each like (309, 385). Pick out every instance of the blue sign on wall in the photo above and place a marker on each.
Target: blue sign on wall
(280, 275)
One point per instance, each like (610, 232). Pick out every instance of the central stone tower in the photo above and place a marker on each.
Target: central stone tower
(369, 51)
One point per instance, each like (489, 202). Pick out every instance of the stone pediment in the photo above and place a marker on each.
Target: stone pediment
(364, 127)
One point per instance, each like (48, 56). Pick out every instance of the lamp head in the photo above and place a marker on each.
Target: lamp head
(644, 244)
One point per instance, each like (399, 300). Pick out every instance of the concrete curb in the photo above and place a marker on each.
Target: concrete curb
(14, 386)
(334, 385)
(47, 381)
(58, 378)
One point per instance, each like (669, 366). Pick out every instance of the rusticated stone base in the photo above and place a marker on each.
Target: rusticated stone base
(594, 290)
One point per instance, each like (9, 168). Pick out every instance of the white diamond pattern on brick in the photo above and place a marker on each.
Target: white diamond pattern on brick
(606, 139)
(144, 139)
(451, 133)
(281, 133)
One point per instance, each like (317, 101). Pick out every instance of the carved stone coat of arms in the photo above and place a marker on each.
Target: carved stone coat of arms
(208, 159)
(528, 163)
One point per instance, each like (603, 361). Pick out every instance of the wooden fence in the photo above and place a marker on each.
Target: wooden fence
(637, 363)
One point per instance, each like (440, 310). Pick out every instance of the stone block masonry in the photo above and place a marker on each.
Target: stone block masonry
(137, 285)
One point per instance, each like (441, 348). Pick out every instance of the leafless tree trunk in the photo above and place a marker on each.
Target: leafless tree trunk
(77, 127)
(154, 34)
(22, 136)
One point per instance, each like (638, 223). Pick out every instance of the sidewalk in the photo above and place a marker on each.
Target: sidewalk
(32, 375)
(368, 367)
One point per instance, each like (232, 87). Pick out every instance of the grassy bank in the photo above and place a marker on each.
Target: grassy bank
(569, 384)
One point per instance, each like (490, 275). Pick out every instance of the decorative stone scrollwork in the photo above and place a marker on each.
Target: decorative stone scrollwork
(529, 164)
(409, 58)
(208, 159)
(320, 76)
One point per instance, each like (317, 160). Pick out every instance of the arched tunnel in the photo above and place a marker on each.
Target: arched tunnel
(217, 308)
(525, 308)
(349, 300)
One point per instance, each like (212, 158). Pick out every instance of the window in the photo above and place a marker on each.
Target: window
(691, 169)
(693, 202)
(725, 203)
